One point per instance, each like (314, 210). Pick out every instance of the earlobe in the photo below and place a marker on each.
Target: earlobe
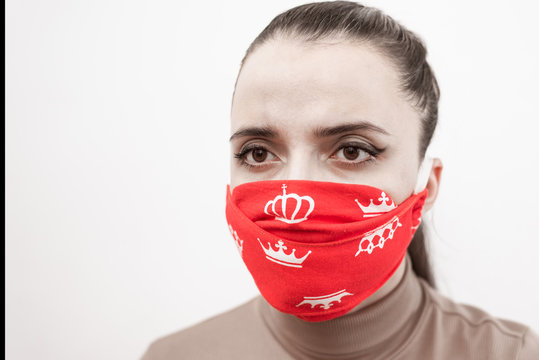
(433, 184)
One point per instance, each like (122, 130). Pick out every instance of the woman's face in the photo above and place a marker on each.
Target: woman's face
(328, 111)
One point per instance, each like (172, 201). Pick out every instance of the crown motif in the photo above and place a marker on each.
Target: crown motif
(375, 210)
(237, 240)
(280, 257)
(325, 301)
(280, 211)
(368, 238)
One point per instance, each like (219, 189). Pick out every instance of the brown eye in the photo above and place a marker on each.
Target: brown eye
(256, 156)
(351, 152)
(259, 155)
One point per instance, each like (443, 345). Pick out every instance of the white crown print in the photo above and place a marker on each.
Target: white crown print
(237, 240)
(375, 210)
(279, 211)
(280, 257)
(369, 237)
(326, 301)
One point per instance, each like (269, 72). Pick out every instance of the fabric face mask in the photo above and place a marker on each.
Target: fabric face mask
(317, 249)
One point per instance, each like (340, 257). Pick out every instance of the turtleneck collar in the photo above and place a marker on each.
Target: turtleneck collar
(373, 332)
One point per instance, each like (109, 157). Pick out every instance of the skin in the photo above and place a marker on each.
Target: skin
(288, 97)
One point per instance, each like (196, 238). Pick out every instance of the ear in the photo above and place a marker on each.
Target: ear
(433, 184)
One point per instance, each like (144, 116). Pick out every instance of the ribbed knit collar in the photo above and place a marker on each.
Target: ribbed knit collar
(374, 332)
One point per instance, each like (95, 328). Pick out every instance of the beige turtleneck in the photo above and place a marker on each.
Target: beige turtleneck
(412, 322)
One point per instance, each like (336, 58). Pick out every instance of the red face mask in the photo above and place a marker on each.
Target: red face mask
(318, 249)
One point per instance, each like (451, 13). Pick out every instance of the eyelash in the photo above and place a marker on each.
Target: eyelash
(244, 151)
(373, 151)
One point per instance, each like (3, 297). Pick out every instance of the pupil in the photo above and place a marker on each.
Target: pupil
(259, 155)
(351, 153)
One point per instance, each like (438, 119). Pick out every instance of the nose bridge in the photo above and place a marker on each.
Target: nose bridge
(301, 165)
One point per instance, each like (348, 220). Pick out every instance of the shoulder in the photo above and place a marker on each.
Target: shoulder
(238, 331)
(466, 331)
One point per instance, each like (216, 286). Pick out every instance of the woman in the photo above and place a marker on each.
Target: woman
(333, 111)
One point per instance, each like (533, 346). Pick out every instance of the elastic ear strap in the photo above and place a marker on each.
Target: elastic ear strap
(423, 174)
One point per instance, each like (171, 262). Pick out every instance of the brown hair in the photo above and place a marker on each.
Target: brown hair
(355, 22)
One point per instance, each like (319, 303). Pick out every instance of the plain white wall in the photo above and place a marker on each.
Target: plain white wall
(117, 160)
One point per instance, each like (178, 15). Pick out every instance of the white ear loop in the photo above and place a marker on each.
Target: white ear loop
(423, 174)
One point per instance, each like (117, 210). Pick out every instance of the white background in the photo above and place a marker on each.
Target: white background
(117, 160)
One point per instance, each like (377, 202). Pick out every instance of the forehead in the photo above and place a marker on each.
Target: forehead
(299, 84)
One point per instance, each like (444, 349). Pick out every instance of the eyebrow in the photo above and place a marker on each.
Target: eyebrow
(265, 131)
(344, 128)
(321, 132)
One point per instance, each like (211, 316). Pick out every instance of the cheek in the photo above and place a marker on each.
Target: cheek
(404, 188)
(401, 183)
(402, 165)
(240, 174)
(233, 178)
(237, 176)
(395, 173)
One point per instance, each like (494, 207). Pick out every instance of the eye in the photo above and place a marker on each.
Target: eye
(352, 153)
(259, 155)
(355, 154)
(255, 156)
